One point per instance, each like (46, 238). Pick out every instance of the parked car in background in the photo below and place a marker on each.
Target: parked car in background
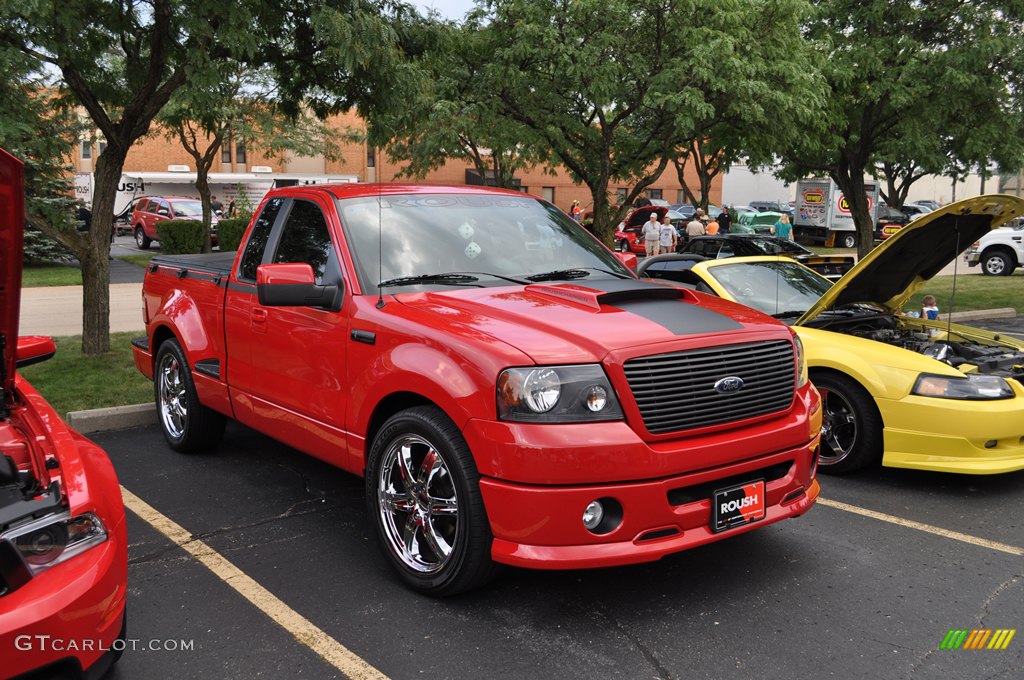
(510, 392)
(754, 223)
(928, 203)
(772, 206)
(739, 245)
(629, 236)
(149, 211)
(903, 391)
(999, 252)
(889, 221)
(63, 538)
(688, 210)
(912, 210)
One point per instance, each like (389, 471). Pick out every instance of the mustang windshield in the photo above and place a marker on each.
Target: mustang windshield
(771, 287)
(487, 236)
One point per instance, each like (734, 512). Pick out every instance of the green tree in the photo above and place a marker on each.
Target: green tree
(124, 61)
(455, 116)
(889, 63)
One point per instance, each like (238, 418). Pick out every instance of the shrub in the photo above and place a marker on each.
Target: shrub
(179, 237)
(229, 233)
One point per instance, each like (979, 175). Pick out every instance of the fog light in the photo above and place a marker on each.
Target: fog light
(596, 399)
(593, 515)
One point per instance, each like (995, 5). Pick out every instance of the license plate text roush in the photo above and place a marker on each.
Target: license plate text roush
(737, 505)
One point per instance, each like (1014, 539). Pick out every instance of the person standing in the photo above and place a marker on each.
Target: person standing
(782, 228)
(216, 206)
(723, 221)
(652, 235)
(695, 227)
(667, 237)
(711, 227)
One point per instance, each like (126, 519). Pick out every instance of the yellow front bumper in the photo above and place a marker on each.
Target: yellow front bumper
(947, 435)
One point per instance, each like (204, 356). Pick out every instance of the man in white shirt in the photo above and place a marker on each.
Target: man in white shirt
(651, 234)
(667, 239)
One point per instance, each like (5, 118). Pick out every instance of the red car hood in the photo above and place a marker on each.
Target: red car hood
(12, 233)
(582, 322)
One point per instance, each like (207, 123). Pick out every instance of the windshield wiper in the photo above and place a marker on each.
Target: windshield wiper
(450, 278)
(575, 273)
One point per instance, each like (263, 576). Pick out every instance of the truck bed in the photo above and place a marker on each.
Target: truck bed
(216, 265)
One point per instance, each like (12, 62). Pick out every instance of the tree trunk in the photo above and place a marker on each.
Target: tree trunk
(602, 224)
(95, 257)
(850, 179)
(203, 187)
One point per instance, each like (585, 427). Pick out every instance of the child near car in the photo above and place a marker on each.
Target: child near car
(929, 308)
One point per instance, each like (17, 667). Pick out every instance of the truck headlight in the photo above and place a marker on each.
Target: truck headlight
(46, 542)
(801, 362)
(972, 386)
(557, 394)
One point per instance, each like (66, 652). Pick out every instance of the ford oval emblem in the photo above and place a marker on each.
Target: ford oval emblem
(732, 383)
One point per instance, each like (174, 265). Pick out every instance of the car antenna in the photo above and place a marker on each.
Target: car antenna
(380, 247)
(952, 295)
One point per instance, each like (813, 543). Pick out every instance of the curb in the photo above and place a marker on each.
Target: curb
(113, 418)
(998, 313)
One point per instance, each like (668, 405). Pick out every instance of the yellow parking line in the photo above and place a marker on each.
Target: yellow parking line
(928, 528)
(329, 649)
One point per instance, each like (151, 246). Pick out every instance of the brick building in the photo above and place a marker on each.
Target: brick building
(156, 155)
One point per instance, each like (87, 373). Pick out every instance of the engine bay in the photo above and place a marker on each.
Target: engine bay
(966, 354)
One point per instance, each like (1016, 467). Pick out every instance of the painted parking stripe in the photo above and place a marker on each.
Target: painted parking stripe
(927, 528)
(329, 649)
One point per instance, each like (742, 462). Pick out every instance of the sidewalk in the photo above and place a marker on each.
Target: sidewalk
(57, 310)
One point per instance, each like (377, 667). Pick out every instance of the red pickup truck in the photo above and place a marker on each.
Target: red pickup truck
(510, 391)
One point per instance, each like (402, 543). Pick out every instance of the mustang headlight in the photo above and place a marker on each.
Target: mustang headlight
(557, 394)
(801, 362)
(48, 541)
(971, 386)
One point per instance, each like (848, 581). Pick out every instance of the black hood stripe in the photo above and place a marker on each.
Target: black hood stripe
(681, 318)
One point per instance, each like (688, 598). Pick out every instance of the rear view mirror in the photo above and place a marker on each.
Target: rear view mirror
(293, 285)
(33, 349)
(628, 259)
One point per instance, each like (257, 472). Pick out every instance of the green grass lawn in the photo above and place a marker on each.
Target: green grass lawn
(975, 292)
(50, 274)
(71, 381)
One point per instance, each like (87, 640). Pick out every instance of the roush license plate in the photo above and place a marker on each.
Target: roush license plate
(737, 505)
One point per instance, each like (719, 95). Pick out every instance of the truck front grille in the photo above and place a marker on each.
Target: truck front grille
(676, 391)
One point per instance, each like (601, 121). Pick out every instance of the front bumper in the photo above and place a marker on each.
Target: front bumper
(948, 435)
(541, 526)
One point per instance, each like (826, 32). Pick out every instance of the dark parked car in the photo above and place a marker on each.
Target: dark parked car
(772, 206)
(890, 220)
(737, 245)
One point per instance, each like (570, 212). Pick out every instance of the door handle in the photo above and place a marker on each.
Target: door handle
(259, 320)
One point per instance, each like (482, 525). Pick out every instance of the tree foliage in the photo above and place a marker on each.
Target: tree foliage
(902, 77)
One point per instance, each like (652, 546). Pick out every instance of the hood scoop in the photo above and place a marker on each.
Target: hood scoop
(592, 296)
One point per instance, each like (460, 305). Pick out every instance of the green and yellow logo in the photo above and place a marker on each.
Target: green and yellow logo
(978, 638)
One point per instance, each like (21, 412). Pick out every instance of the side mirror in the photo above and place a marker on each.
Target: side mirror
(628, 259)
(33, 349)
(163, 212)
(293, 285)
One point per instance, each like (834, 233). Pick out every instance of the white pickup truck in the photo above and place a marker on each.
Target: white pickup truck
(999, 252)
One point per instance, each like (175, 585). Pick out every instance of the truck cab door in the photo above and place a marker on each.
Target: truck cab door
(287, 364)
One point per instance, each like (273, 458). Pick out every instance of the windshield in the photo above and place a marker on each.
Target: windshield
(771, 287)
(486, 235)
(187, 208)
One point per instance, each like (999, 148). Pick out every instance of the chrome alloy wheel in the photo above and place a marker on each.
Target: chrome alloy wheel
(173, 398)
(418, 504)
(838, 427)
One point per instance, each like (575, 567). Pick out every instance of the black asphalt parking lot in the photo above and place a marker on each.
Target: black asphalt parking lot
(830, 594)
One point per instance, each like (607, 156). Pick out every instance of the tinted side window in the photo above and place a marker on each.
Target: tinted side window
(253, 255)
(141, 205)
(305, 238)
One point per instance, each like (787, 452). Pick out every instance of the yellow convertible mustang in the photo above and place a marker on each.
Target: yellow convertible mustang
(910, 392)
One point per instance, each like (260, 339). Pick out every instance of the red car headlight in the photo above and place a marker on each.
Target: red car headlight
(56, 538)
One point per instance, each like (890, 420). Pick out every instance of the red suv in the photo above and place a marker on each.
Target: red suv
(149, 211)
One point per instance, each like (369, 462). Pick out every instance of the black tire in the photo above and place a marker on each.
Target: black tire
(848, 241)
(188, 426)
(997, 263)
(141, 240)
(851, 432)
(449, 476)
(623, 246)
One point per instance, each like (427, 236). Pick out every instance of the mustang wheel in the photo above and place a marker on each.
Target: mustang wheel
(187, 425)
(424, 501)
(997, 263)
(141, 240)
(851, 429)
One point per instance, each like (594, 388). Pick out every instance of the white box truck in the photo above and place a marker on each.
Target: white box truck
(822, 214)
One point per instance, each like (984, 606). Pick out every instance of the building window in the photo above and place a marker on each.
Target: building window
(548, 194)
(225, 150)
(240, 151)
(86, 150)
(654, 194)
(680, 196)
(371, 157)
(620, 195)
(103, 146)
